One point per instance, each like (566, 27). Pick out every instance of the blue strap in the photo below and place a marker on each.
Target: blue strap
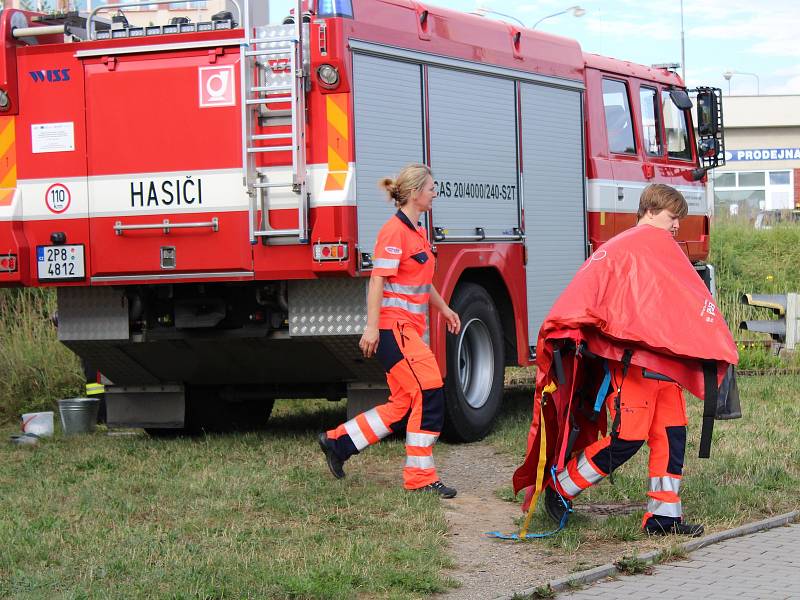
(603, 391)
(533, 536)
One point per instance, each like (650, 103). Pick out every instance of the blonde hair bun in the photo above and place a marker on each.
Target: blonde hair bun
(410, 180)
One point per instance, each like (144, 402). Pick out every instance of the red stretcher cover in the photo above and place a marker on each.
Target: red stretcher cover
(637, 292)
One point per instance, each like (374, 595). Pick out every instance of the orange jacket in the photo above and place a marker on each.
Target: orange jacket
(404, 257)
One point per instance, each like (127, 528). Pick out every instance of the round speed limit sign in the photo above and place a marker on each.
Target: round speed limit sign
(57, 198)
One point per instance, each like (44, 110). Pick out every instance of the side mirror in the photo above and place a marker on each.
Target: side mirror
(707, 114)
(681, 99)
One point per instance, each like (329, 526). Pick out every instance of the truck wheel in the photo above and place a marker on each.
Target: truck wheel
(475, 366)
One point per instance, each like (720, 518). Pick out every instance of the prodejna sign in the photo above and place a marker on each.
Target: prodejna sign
(763, 154)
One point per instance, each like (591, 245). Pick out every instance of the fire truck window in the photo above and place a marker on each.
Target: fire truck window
(619, 124)
(675, 129)
(651, 121)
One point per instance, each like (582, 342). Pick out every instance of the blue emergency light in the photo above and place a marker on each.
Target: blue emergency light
(335, 8)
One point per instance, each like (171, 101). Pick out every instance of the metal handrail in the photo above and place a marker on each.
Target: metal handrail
(165, 226)
(90, 21)
(480, 235)
(481, 238)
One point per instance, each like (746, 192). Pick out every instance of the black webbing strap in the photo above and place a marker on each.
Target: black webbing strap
(626, 363)
(709, 406)
(558, 366)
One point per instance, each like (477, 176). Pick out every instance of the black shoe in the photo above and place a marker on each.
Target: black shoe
(554, 505)
(653, 527)
(439, 488)
(335, 464)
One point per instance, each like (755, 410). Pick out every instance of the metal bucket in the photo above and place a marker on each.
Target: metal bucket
(78, 415)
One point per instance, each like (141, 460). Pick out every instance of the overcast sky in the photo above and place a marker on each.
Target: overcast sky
(720, 35)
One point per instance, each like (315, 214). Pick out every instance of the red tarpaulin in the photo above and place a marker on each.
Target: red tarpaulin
(638, 292)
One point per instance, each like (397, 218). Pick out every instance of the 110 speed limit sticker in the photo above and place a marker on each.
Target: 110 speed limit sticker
(57, 198)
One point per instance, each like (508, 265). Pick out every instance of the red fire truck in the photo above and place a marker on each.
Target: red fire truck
(203, 195)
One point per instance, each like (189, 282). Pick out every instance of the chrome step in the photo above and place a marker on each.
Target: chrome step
(269, 148)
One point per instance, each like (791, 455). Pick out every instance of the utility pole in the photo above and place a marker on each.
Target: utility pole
(683, 51)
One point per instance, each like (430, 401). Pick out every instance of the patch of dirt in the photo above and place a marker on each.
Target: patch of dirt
(491, 568)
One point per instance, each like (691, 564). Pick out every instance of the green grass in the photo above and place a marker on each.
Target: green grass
(233, 516)
(760, 262)
(35, 369)
(753, 472)
(259, 516)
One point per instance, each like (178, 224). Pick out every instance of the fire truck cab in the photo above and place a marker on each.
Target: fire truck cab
(203, 195)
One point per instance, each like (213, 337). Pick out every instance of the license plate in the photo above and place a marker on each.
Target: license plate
(60, 262)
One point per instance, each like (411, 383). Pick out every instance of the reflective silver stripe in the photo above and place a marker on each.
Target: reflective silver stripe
(375, 422)
(665, 484)
(420, 462)
(664, 509)
(397, 288)
(421, 440)
(411, 307)
(587, 471)
(354, 431)
(386, 263)
(567, 484)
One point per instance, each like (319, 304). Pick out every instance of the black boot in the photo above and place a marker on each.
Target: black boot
(667, 526)
(556, 506)
(335, 464)
(437, 487)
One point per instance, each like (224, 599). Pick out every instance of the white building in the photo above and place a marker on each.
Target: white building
(762, 174)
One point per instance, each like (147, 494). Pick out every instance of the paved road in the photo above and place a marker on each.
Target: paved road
(761, 566)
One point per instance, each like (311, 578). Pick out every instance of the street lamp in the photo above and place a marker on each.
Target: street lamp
(484, 11)
(683, 52)
(576, 11)
(729, 73)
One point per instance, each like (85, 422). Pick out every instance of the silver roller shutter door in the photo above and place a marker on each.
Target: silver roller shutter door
(553, 185)
(388, 134)
(473, 152)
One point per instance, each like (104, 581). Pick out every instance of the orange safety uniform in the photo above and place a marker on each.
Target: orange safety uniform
(649, 410)
(404, 257)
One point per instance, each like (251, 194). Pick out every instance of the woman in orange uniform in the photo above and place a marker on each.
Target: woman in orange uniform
(400, 290)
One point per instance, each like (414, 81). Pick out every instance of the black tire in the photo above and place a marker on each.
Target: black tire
(475, 366)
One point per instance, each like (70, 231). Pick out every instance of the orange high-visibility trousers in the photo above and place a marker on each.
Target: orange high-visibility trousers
(415, 394)
(650, 410)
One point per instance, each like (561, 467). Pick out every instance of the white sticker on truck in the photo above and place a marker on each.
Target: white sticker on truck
(52, 137)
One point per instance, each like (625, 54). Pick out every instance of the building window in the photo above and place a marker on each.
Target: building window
(780, 177)
(752, 179)
(651, 121)
(748, 193)
(725, 180)
(619, 124)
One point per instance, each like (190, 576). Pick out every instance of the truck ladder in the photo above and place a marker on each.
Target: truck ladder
(263, 58)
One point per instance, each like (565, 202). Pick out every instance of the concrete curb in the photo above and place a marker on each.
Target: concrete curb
(609, 570)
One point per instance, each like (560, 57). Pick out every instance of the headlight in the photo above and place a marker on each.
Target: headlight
(328, 76)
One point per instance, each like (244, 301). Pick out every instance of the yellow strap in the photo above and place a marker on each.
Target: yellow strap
(539, 473)
(92, 389)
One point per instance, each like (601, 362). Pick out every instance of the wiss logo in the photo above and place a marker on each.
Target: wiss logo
(51, 75)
